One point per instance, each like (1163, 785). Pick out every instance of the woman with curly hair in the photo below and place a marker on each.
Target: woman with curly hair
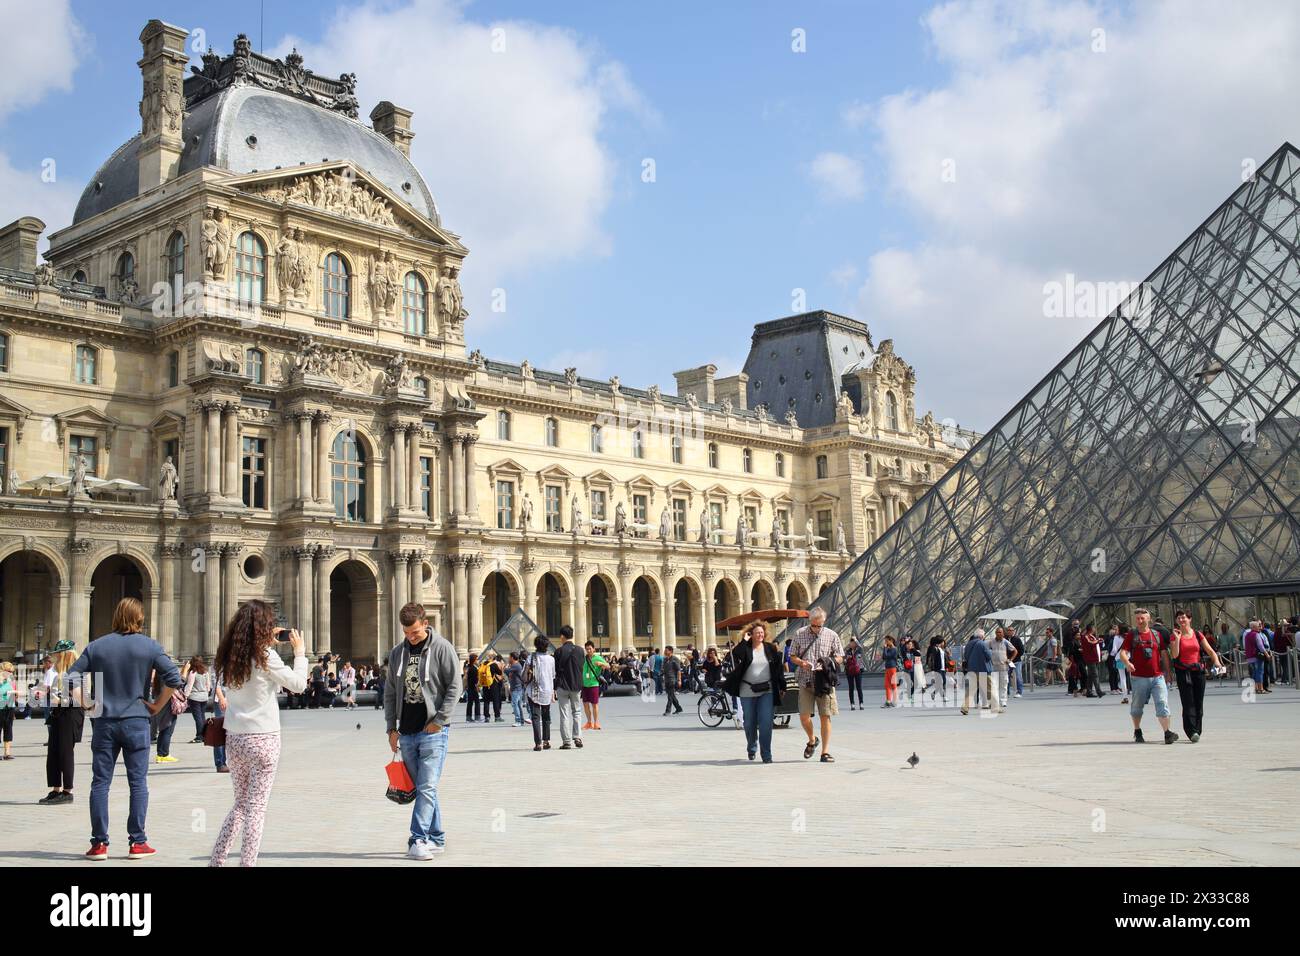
(252, 673)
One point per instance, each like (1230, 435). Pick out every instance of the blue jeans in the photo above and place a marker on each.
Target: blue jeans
(166, 724)
(218, 753)
(128, 736)
(1149, 688)
(517, 705)
(1020, 681)
(758, 725)
(659, 683)
(424, 754)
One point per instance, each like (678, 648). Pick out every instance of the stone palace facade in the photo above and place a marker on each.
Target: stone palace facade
(241, 372)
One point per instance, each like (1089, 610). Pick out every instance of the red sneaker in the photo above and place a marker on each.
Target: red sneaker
(140, 850)
(98, 851)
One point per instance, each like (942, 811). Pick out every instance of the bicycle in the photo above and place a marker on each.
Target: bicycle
(714, 707)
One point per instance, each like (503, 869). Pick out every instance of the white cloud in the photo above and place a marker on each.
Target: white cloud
(23, 192)
(40, 44)
(837, 176)
(856, 114)
(1063, 160)
(510, 142)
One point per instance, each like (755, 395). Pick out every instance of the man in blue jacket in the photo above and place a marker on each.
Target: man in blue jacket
(121, 667)
(977, 663)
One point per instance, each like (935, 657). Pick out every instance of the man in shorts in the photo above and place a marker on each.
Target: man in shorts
(1140, 655)
(815, 648)
(592, 665)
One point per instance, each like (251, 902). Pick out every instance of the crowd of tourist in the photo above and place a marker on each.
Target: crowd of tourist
(138, 694)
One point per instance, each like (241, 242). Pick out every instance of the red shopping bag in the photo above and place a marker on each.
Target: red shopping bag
(401, 788)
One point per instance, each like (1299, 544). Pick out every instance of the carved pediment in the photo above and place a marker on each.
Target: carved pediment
(11, 411)
(89, 419)
(166, 423)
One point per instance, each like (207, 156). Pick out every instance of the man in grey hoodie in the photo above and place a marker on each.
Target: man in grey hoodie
(423, 685)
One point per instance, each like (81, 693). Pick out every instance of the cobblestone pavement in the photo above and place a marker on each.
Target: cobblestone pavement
(1053, 781)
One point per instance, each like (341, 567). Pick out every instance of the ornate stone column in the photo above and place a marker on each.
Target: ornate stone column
(212, 622)
(304, 456)
(456, 462)
(665, 625)
(399, 581)
(435, 484)
(212, 454)
(471, 479)
(746, 592)
(581, 628)
(415, 574)
(397, 467)
(77, 627)
(707, 631)
(323, 490)
(324, 553)
(459, 611)
(474, 602)
(230, 481)
(229, 585)
(306, 593)
(165, 626)
(528, 599)
(626, 626)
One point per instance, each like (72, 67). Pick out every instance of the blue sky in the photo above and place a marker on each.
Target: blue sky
(775, 170)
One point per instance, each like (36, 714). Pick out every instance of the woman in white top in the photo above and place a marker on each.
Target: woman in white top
(348, 681)
(541, 691)
(198, 691)
(758, 678)
(252, 675)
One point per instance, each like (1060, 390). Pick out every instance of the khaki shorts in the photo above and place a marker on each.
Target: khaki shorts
(827, 706)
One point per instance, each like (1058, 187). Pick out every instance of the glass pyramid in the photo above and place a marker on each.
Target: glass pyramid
(516, 634)
(1158, 458)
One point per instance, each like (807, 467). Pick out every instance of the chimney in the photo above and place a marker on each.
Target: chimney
(18, 242)
(734, 387)
(162, 104)
(697, 382)
(394, 124)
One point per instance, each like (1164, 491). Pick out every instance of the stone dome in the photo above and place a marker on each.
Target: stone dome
(246, 129)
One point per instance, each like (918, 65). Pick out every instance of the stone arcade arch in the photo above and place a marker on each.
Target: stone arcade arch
(354, 613)
(726, 603)
(29, 595)
(796, 595)
(552, 598)
(115, 577)
(762, 596)
(688, 608)
(500, 599)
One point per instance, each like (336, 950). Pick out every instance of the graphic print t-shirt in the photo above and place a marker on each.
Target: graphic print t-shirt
(415, 714)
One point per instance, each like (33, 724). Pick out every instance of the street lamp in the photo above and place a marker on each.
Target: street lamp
(40, 637)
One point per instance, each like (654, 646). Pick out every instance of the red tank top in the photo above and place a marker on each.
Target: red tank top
(1189, 649)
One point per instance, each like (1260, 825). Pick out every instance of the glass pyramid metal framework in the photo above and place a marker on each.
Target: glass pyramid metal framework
(1159, 458)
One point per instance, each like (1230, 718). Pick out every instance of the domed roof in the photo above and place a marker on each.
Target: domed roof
(246, 129)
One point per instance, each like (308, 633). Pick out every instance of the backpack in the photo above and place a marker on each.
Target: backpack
(178, 702)
(485, 675)
(852, 666)
(530, 675)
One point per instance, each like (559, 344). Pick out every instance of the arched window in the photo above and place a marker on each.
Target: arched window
(415, 304)
(597, 440)
(552, 432)
(336, 287)
(176, 266)
(87, 365)
(891, 411)
(747, 460)
(641, 619)
(125, 271)
(80, 276)
(250, 269)
(713, 455)
(503, 425)
(638, 444)
(599, 608)
(255, 366)
(780, 465)
(348, 471)
(676, 442)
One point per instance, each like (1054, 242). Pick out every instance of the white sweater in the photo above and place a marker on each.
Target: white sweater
(254, 708)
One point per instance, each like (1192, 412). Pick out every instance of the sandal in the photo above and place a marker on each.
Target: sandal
(810, 748)
(827, 758)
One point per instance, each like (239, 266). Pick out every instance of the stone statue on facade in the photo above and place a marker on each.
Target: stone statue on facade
(761, 411)
(774, 537)
(526, 513)
(451, 300)
(841, 541)
(706, 525)
(214, 243)
(691, 401)
(810, 534)
(311, 358)
(77, 487)
(615, 386)
(742, 530)
(526, 369)
(45, 274)
(726, 405)
(571, 376)
(575, 516)
(653, 392)
(293, 265)
(665, 524)
(385, 284)
(844, 406)
(620, 519)
(792, 419)
(476, 357)
(168, 480)
(14, 482)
